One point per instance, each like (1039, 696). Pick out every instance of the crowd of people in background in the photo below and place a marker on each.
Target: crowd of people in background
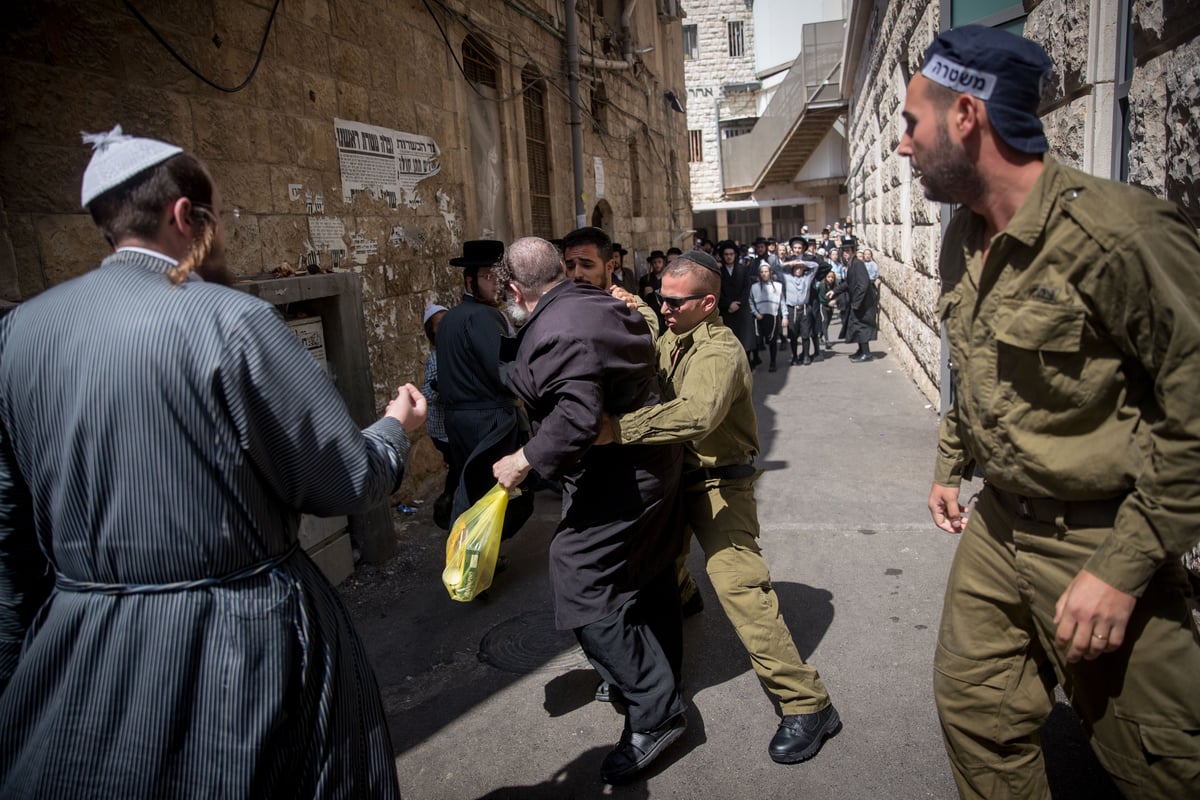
(163, 632)
(586, 371)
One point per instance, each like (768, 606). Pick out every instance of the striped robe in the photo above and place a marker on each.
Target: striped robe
(154, 438)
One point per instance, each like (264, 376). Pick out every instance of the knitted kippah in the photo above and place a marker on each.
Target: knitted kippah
(117, 158)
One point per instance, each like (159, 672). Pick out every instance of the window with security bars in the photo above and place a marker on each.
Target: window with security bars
(695, 145)
(538, 153)
(479, 62)
(691, 43)
(737, 39)
(744, 224)
(787, 221)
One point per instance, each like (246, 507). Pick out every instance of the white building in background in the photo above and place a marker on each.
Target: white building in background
(765, 117)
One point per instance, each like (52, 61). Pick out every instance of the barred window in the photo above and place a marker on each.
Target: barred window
(538, 152)
(691, 43)
(695, 145)
(479, 62)
(737, 39)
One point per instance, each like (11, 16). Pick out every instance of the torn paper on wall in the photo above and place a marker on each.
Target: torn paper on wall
(327, 234)
(363, 247)
(384, 163)
(449, 216)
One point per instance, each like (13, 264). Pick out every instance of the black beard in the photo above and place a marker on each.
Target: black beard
(948, 175)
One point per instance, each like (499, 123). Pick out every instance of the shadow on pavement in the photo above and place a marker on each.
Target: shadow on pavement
(577, 780)
(808, 612)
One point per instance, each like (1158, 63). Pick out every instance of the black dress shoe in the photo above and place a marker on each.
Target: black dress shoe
(807, 360)
(692, 606)
(800, 735)
(637, 749)
(860, 358)
(607, 693)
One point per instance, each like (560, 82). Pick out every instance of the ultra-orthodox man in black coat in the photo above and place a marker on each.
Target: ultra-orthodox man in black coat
(483, 419)
(582, 353)
(735, 288)
(856, 298)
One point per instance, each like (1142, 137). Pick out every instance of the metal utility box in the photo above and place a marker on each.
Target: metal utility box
(325, 312)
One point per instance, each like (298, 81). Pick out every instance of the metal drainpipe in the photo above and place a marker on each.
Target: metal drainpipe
(720, 148)
(576, 114)
(626, 32)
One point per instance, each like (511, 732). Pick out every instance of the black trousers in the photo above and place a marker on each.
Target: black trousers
(768, 329)
(639, 649)
(451, 473)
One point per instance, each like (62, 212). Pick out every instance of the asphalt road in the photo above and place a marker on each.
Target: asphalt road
(487, 700)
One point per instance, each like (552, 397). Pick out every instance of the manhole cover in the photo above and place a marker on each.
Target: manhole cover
(529, 642)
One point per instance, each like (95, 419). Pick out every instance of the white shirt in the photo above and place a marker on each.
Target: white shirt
(766, 298)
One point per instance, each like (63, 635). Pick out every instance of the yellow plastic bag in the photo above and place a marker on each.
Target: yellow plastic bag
(474, 544)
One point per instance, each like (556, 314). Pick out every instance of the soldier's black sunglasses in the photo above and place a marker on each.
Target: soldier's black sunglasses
(675, 303)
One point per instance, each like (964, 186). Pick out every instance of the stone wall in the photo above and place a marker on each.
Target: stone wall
(892, 214)
(707, 76)
(88, 65)
(905, 229)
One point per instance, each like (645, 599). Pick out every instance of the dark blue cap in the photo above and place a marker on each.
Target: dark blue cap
(1003, 70)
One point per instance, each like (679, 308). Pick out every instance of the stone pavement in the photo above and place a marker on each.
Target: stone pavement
(487, 700)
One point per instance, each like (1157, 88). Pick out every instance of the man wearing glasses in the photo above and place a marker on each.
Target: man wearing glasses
(708, 405)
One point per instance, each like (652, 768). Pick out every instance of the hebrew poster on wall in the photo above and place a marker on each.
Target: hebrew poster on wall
(384, 163)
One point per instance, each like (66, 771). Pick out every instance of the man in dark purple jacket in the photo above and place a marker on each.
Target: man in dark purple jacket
(580, 354)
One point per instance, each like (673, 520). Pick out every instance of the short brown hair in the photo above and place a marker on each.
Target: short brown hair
(702, 277)
(135, 207)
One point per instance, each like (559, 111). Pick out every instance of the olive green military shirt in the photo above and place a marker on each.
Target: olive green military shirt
(1076, 349)
(651, 318)
(708, 399)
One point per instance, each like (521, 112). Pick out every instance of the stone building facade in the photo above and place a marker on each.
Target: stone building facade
(740, 120)
(722, 90)
(500, 163)
(1121, 104)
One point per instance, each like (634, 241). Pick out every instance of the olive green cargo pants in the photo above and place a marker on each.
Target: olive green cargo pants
(996, 665)
(724, 517)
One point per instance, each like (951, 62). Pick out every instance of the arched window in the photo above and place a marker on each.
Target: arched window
(479, 61)
(537, 152)
(489, 182)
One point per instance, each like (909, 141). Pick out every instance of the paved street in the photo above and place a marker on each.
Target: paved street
(487, 700)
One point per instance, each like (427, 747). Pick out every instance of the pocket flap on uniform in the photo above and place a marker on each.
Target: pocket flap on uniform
(992, 673)
(1170, 742)
(1035, 325)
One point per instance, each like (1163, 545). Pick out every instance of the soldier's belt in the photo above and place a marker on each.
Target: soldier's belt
(1073, 513)
(728, 472)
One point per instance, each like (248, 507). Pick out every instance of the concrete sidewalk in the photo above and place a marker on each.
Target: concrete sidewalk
(486, 699)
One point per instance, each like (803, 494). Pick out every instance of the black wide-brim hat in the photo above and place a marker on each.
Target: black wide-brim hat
(479, 253)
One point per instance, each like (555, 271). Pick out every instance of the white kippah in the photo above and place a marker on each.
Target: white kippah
(430, 310)
(118, 158)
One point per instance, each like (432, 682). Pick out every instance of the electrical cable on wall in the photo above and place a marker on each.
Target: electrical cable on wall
(230, 89)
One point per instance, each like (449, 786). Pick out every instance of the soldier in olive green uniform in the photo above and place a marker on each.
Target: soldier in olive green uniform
(1072, 308)
(709, 405)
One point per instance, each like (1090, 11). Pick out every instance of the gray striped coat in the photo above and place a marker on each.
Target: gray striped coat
(161, 635)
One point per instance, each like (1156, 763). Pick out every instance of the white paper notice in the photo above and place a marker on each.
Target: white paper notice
(384, 163)
(599, 177)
